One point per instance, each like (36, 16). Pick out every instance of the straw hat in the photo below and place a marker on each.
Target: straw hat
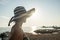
(20, 11)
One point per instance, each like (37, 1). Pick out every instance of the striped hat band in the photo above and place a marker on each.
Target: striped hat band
(19, 10)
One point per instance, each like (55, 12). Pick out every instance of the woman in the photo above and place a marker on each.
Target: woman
(20, 17)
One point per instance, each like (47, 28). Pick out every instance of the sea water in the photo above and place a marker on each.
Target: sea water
(4, 29)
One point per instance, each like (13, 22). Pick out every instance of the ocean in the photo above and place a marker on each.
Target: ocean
(5, 29)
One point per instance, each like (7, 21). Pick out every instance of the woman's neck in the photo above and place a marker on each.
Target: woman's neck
(19, 23)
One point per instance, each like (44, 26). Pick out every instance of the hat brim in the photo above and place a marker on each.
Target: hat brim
(28, 14)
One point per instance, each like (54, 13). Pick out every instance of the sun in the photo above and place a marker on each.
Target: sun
(34, 18)
(35, 15)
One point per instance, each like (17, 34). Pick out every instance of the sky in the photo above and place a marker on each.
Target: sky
(47, 12)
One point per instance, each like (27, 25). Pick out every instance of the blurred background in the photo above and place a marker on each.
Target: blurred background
(47, 13)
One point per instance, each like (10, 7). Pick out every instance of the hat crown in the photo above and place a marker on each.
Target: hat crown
(19, 10)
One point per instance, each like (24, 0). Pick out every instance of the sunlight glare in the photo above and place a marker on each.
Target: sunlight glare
(35, 15)
(33, 28)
